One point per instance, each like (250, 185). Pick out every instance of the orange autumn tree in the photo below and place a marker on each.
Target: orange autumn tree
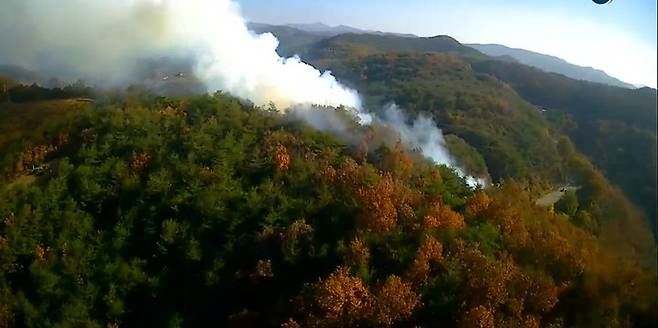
(395, 300)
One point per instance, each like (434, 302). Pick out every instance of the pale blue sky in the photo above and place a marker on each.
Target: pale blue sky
(619, 37)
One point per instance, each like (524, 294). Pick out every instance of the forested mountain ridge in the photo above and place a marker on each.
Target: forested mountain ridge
(321, 29)
(152, 211)
(511, 136)
(350, 45)
(307, 44)
(585, 111)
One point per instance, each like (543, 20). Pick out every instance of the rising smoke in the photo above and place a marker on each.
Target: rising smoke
(422, 133)
(104, 42)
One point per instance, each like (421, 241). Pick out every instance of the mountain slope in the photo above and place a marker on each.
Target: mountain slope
(510, 134)
(513, 136)
(581, 109)
(551, 64)
(615, 127)
(203, 211)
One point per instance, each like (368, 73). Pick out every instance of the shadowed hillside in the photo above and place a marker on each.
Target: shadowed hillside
(615, 127)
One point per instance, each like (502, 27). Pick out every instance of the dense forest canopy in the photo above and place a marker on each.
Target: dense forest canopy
(140, 210)
(204, 172)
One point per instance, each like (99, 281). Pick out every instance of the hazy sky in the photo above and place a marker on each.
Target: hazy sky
(619, 38)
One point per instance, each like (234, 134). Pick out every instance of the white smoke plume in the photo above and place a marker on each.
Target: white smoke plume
(105, 42)
(423, 133)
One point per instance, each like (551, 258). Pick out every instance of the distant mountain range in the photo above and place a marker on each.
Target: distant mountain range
(296, 35)
(326, 30)
(323, 28)
(550, 64)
